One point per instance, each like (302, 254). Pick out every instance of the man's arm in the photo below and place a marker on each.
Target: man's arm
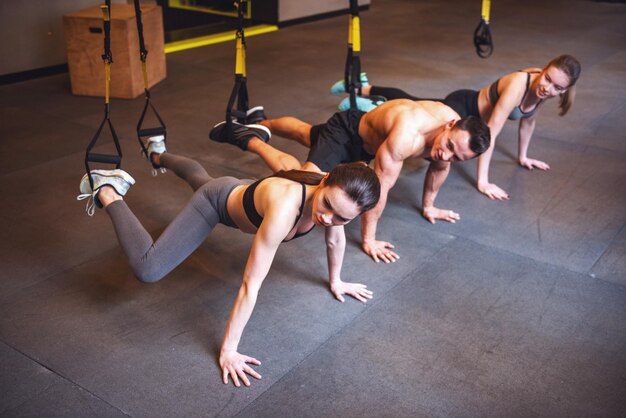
(387, 167)
(435, 177)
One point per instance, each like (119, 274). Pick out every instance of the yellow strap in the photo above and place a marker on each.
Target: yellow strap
(144, 68)
(107, 79)
(240, 59)
(105, 12)
(486, 10)
(243, 59)
(356, 34)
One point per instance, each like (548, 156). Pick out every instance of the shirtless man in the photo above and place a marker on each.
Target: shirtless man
(393, 132)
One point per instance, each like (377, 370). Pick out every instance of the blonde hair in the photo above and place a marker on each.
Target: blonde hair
(571, 67)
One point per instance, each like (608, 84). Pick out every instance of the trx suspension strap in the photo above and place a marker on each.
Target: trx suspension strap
(240, 90)
(482, 33)
(107, 57)
(352, 74)
(143, 53)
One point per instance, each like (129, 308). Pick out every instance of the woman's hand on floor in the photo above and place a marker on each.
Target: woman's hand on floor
(493, 192)
(432, 214)
(530, 164)
(236, 365)
(356, 290)
(380, 250)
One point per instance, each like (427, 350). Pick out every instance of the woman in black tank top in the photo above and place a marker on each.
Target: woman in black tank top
(278, 208)
(515, 96)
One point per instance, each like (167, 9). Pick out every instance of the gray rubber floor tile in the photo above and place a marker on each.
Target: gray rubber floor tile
(64, 400)
(612, 265)
(28, 140)
(20, 378)
(476, 333)
(44, 208)
(39, 95)
(29, 389)
(102, 329)
(567, 216)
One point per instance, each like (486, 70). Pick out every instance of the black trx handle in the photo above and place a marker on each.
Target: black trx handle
(148, 132)
(482, 40)
(92, 157)
(107, 58)
(352, 73)
(240, 89)
(143, 54)
(482, 34)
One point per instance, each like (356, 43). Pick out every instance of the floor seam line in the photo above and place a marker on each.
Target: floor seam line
(63, 377)
(506, 251)
(339, 331)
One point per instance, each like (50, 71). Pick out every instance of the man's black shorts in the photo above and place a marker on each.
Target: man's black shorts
(337, 141)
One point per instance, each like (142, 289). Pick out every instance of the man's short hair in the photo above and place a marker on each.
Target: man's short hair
(480, 134)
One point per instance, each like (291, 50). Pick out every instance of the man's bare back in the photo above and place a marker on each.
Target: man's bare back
(420, 121)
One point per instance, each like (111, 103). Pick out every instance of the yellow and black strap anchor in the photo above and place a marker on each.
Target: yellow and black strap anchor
(143, 54)
(107, 57)
(240, 89)
(482, 33)
(352, 73)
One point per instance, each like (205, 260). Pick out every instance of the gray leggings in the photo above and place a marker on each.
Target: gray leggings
(150, 260)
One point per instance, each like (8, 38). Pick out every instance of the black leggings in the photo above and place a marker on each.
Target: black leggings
(463, 102)
(391, 93)
(151, 260)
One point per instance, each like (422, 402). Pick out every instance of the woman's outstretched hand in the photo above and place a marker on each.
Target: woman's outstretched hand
(380, 250)
(530, 164)
(432, 214)
(356, 290)
(493, 192)
(236, 365)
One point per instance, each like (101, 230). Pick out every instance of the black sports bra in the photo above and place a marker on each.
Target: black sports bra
(256, 219)
(517, 112)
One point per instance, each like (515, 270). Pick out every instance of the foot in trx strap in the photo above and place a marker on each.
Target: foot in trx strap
(241, 135)
(155, 146)
(340, 86)
(364, 104)
(255, 115)
(120, 180)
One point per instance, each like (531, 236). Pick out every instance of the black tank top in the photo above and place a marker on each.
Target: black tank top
(517, 112)
(256, 219)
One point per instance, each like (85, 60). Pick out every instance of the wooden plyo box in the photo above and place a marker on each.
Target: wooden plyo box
(84, 40)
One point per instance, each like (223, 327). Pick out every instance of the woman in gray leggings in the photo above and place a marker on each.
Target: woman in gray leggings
(275, 209)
